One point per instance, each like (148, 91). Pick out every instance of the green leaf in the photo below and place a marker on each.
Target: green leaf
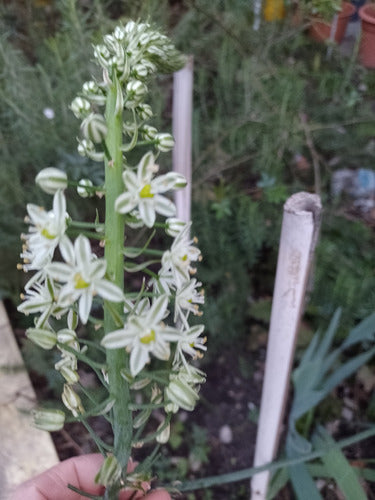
(347, 369)
(303, 484)
(278, 481)
(328, 337)
(362, 332)
(320, 470)
(338, 466)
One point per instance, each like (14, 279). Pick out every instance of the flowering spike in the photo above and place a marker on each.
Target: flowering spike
(72, 284)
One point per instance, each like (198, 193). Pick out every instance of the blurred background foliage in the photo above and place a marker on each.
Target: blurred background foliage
(272, 115)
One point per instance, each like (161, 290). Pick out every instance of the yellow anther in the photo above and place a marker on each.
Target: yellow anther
(146, 192)
(147, 339)
(79, 282)
(47, 234)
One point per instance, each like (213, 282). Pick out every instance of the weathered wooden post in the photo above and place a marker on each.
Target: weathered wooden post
(299, 233)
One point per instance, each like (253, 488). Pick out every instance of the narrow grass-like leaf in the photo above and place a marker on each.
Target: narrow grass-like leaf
(327, 338)
(347, 369)
(278, 482)
(338, 467)
(303, 484)
(365, 330)
(320, 470)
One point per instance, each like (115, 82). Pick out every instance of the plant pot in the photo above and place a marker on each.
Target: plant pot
(367, 43)
(274, 10)
(320, 30)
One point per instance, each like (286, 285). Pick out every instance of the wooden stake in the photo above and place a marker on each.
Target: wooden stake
(182, 125)
(299, 234)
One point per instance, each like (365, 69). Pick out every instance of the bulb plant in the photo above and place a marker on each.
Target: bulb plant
(144, 341)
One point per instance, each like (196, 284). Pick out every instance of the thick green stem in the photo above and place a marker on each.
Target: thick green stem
(114, 243)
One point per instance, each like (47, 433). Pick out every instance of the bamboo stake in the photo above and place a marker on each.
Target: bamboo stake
(182, 125)
(299, 233)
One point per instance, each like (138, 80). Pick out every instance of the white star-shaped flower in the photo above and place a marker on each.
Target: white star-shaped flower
(41, 298)
(83, 274)
(178, 259)
(45, 233)
(144, 334)
(187, 299)
(190, 342)
(143, 191)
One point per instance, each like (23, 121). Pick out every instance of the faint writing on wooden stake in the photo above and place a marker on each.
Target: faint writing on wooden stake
(294, 270)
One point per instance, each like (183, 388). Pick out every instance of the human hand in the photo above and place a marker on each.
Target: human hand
(79, 472)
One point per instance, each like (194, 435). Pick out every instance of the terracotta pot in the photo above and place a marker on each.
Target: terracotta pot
(320, 30)
(367, 43)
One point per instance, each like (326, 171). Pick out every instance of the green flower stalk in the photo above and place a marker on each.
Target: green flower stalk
(143, 338)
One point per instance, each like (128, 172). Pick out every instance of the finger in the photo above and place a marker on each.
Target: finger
(78, 471)
(158, 495)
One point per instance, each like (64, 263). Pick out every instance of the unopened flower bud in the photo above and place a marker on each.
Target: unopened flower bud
(51, 179)
(46, 339)
(66, 336)
(144, 112)
(136, 88)
(151, 68)
(71, 400)
(163, 433)
(148, 132)
(170, 180)
(94, 127)
(87, 148)
(72, 319)
(111, 43)
(119, 33)
(171, 408)
(135, 92)
(48, 419)
(80, 107)
(129, 27)
(145, 38)
(93, 92)
(71, 376)
(140, 384)
(141, 418)
(164, 142)
(83, 188)
(156, 395)
(174, 226)
(109, 472)
(102, 54)
(182, 394)
(140, 71)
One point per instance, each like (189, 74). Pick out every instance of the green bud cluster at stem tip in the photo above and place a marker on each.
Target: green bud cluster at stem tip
(138, 331)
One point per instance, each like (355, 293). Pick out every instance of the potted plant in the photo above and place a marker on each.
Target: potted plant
(367, 43)
(329, 18)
